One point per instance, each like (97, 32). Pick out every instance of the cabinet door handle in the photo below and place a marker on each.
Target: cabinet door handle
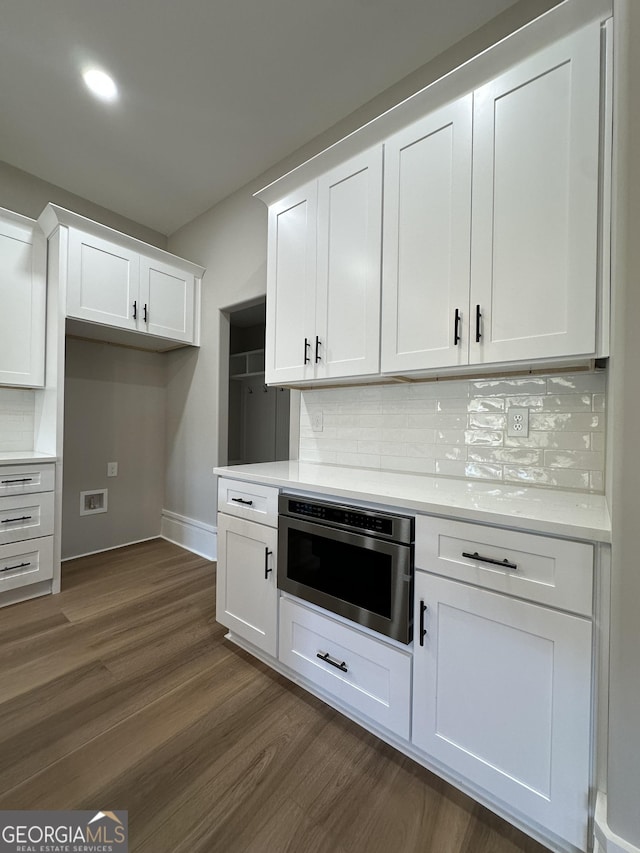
(22, 518)
(318, 345)
(505, 564)
(456, 328)
(21, 480)
(135, 309)
(242, 501)
(307, 347)
(478, 319)
(267, 554)
(11, 568)
(146, 313)
(423, 630)
(327, 659)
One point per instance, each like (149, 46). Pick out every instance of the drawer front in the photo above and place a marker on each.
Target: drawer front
(248, 500)
(26, 517)
(368, 675)
(549, 571)
(25, 479)
(22, 563)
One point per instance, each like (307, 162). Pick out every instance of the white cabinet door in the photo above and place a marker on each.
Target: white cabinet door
(291, 287)
(502, 697)
(22, 301)
(347, 328)
(535, 204)
(246, 592)
(103, 281)
(427, 238)
(166, 300)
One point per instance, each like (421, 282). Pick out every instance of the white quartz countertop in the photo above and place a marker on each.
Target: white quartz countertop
(22, 457)
(574, 515)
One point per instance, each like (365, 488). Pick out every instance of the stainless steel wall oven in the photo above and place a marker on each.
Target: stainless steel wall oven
(355, 562)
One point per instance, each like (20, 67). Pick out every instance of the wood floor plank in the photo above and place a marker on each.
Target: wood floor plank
(122, 692)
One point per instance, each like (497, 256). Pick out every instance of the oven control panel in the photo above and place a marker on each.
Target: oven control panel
(386, 525)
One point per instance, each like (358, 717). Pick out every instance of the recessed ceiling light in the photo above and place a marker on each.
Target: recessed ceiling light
(100, 84)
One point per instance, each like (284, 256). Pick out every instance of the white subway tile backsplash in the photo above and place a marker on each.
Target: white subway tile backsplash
(457, 428)
(16, 419)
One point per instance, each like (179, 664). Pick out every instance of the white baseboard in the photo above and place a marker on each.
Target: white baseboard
(606, 840)
(110, 548)
(189, 533)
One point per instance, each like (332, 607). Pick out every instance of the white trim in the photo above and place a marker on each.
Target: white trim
(606, 840)
(189, 533)
(110, 548)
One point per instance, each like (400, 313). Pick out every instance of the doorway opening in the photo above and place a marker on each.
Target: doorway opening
(258, 415)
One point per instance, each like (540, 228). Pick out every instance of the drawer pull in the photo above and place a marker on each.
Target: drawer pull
(21, 480)
(22, 518)
(267, 554)
(423, 630)
(505, 564)
(11, 568)
(242, 501)
(325, 657)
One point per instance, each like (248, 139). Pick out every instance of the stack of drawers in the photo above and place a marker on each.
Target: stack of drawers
(26, 524)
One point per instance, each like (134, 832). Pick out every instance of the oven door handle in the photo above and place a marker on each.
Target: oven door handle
(327, 659)
(267, 554)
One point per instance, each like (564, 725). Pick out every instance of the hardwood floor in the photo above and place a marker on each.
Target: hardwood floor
(121, 693)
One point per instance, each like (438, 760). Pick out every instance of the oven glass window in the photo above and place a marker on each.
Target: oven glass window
(355, 574)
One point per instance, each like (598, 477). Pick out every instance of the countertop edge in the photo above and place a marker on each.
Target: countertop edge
(527, 523)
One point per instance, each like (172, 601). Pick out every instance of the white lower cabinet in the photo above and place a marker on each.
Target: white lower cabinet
(366, 674)
(502, 698)
(246, 592)
(23, 563)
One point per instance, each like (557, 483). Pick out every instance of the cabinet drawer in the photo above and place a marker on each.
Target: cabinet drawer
(366, 674)
(22, 563)
(248, 500)
(538, 568)
(25, 517)
(25, 479)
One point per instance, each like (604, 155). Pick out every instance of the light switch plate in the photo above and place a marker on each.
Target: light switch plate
(112, 469)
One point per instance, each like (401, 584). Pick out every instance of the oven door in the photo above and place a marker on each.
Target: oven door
(365, 579)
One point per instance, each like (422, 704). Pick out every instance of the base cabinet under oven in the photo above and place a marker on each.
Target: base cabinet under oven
(367, 675)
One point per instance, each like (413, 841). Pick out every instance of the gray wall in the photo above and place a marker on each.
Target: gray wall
(28, 195)
(115, 401)
(230, 240)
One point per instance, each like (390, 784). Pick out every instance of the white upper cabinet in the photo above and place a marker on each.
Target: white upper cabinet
(23, 254)
(323, 275)
(427, 222)
(167, 296)
(535, 205)
(490, 223)
(102, 284)
(291, 286)
(347, 328)
(120, 289)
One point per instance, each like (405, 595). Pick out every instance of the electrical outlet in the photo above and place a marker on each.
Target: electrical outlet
(517, 422)
(112, 469)
(316, 421)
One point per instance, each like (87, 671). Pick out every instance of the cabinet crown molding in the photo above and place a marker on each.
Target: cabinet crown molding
(53, 216)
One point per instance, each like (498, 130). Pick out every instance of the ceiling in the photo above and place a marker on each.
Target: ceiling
(213, 92)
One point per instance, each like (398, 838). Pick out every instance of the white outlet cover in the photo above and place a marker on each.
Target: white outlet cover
(517, 422)
(112, 469)
(316, 421)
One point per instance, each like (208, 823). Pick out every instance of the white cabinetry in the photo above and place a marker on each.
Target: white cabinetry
(501, 686)
(323, 276)
(26, 525)
(358, 670)
(144, 295)
(524, 287)
(23, 264)
(246, 591)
